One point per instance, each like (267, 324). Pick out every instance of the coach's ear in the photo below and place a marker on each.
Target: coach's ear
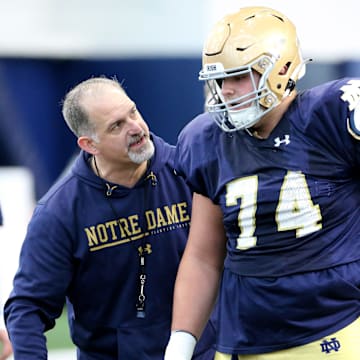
(87, 144)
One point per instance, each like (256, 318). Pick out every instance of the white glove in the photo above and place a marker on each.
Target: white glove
(180, 346)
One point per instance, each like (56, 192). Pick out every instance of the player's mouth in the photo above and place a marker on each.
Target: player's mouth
(232, 101)
(236, 105)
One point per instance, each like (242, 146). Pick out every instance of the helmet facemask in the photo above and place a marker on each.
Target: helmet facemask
(242, 112)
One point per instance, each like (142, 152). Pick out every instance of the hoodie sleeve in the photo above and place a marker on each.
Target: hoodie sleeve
(40, 284)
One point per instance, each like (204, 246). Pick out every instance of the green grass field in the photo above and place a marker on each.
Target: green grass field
(59, 338)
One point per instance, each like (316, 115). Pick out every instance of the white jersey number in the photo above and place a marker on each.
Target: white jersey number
(295, 209)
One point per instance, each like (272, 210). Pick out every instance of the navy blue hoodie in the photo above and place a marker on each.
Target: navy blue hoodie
(83, 245)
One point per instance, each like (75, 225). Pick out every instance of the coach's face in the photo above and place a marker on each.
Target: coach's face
(122, 135)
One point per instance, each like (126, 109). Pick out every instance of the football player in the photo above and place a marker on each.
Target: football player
(275, 230)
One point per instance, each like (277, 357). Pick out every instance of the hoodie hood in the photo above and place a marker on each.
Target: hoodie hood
(161, 158)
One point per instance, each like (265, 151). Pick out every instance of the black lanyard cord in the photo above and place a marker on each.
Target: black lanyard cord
(140, 305)
(143, 249)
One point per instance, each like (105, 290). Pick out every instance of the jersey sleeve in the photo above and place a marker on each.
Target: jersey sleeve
(195, 157)
(38, 294)
(350, 94)
(330, 118)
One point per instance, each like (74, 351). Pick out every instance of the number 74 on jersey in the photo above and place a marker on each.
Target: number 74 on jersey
(295, 209)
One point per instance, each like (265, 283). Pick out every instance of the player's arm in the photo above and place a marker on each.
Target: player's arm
(198, 278)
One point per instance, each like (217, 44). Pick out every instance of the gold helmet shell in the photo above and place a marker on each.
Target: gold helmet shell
(241, 38)
(252, 39)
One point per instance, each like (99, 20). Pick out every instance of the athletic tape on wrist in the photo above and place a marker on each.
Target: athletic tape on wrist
(187, 332)
(180, 346)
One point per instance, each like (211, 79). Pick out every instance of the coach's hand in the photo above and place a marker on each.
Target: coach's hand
(6, 345)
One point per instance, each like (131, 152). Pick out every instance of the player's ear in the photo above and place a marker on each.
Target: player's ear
(283, 70)
(87, 144)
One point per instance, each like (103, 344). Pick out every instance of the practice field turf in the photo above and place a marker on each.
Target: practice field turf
(59, 338)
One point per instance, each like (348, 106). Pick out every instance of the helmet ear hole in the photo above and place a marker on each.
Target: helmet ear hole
(284, 69)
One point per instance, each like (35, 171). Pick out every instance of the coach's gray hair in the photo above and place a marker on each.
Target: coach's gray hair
(73, 110)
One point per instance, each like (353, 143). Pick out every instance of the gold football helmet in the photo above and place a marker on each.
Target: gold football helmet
(253, 39)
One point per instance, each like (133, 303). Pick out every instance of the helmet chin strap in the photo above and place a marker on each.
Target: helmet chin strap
(297, 74)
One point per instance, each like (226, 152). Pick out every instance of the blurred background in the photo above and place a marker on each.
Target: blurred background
(152, 46)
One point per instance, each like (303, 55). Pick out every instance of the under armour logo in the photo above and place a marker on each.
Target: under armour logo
(285, 140)
(145, 249)
(328, 346)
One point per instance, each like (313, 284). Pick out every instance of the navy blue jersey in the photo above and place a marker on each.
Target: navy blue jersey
(84, 242)
(1, 218)
(291, 212)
